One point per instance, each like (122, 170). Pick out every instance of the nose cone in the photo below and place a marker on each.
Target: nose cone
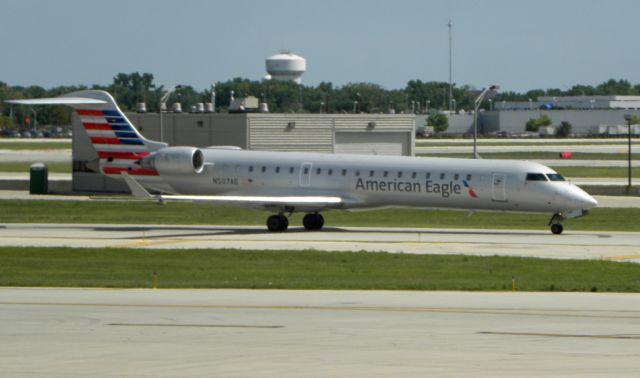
(583, 199)
(589, 202)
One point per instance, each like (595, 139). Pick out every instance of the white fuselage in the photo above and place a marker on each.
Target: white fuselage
(379, 181)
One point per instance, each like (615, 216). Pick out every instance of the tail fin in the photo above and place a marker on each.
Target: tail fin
(116, 141)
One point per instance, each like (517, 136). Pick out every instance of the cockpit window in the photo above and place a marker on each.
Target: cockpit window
(555, 177)
(536, 177)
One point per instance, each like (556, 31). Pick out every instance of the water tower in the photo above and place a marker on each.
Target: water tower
(286, 66)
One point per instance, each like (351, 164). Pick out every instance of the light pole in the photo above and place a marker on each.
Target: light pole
(163, 100)
(35, 120)
(476, 104)
(490, 105)
(453, 101)
(450, 25)
(628, 118)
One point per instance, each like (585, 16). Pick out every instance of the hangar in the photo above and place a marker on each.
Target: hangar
(376, 134)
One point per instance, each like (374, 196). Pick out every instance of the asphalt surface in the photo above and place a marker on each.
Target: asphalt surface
(615, 246)
(264, 333)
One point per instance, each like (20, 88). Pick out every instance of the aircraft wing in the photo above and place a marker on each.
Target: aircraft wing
(57, 101)
(310, 203)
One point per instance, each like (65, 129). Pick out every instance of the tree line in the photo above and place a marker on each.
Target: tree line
(284, 97)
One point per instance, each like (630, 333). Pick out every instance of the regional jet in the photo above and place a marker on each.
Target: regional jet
(311, 183)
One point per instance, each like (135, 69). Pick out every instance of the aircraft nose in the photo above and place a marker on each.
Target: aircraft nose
(589, 202)
(584, 200)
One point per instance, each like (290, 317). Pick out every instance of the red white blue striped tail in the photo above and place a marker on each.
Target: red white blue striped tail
(118, 144)
(116, 141)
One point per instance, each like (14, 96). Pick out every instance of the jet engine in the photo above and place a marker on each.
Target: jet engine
(175, 160)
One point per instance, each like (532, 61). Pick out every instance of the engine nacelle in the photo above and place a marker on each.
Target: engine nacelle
(175, 160)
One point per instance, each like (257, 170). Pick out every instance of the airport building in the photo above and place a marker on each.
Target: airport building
(605, 118)
(573, 102)
(378, 134)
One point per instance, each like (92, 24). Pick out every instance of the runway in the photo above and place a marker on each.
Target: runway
(616, 246)
(245, 333)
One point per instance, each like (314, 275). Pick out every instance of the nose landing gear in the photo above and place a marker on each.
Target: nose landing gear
(554, 222)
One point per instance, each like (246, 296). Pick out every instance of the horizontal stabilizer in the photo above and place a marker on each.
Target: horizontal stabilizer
(57, 101)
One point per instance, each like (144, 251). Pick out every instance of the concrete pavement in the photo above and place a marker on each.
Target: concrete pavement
(268, 333)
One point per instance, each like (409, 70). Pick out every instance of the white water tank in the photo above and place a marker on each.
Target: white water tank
(286, 66)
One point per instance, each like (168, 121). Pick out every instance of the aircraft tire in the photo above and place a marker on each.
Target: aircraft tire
(277, 223)
(313, 221)
(556, 228)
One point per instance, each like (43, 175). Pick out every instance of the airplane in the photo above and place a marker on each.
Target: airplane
(311, 183)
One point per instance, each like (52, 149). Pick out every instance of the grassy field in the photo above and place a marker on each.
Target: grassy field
(536, 155)
(128, 268)
(24, 167)
(34, 145)
(135, 212)
(611, 172)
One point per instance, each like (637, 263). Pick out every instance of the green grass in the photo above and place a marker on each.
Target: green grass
(34, 145)
(56, 167)
(610, 172)
(536, 155)
(130, 268)
(139, 212)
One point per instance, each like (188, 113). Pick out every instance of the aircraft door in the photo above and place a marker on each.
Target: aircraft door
(305, 174)
(499, 187)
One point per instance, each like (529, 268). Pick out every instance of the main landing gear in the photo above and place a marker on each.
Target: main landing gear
(279, 222)
(554, 222)
(313, 221)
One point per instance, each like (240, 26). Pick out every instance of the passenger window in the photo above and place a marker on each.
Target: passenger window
(291, 169)
(371, 173)
(399, 174)
(414, 175)
(456, 177)
(277, 169)
(427, 175)
(357, 173)
(264, 169)
(306, 170)
(468, 177)
(330, 172)
(344, 172)
(536, 177)
(385, 173)
(442, 176)
(555, 177)
(318, 171)
(251, 168)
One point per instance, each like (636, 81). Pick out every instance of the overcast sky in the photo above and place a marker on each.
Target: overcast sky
(519, 45)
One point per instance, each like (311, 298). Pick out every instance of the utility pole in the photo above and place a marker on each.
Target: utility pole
(450, 25)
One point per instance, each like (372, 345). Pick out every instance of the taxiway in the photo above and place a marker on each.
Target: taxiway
(249, 333)
(617, 246)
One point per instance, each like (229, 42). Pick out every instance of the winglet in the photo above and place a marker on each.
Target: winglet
(137, 190)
